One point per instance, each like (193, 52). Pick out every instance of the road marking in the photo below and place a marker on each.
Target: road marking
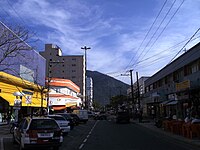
(80, 147)
(85, 140)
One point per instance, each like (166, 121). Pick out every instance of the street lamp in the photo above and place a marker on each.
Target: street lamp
(85, 48)
(17, 104)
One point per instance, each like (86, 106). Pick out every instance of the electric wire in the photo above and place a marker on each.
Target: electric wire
(164, 28)
(148, 32)
(153, 35)
(185, 45)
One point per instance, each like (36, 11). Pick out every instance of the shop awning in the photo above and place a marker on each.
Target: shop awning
(59, 107)
(165, 102)
(71, 104)
(172, 103)
(35, 102)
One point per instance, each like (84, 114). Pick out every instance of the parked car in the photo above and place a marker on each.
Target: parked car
(62, 122)
(123, 116)
(38, 132)
(101, 116)
(75, 118)
(68, 117)
(82, 114)
(91, 114)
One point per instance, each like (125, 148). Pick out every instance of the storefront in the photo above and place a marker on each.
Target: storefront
(21, 95)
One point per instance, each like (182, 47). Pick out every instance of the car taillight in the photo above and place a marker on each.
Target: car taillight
(29, 133)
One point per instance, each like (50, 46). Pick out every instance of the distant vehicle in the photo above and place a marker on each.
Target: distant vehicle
(62, 122)
(82, 114)
(101, 116)
(123, 116)
(91, 114)
(38, 132)
(75, 118)
(68, 117)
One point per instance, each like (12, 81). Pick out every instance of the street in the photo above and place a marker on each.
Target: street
(108, 135)
(111, 136)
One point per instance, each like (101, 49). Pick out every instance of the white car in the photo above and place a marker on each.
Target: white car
(62, 122)
(38, 132)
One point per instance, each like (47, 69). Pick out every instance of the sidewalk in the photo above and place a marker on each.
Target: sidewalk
(150, 124)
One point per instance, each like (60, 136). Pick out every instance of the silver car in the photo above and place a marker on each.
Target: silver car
(62, 122)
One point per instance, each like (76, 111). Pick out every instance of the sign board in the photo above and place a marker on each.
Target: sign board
(28, 99)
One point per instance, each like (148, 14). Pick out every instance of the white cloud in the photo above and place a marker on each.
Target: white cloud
(72, 24)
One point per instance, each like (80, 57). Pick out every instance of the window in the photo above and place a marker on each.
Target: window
(194, 68)
(73, 70)
(73, 65)
(73, 77)
(74, 59)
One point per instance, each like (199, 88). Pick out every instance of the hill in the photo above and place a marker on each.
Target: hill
(105, 87)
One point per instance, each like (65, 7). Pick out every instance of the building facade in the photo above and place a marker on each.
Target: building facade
(66, 67)
(63, 94)
(175, 89)
(22, 76)
(89, 92)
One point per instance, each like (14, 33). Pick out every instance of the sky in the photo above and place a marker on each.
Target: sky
(139, 35)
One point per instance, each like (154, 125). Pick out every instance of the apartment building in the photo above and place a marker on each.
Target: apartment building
(70, 67)
(175, 89)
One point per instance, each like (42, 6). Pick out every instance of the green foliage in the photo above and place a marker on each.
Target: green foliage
(117, 100)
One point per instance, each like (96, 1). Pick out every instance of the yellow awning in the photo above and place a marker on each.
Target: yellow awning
(69, 104)
(35, 102)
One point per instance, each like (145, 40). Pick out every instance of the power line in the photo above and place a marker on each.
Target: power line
(165, 27)
(155, 32)
(185, 45)
(148, 31)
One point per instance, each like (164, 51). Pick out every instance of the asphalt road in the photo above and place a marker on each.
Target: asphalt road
(108, 135)
(111, 136)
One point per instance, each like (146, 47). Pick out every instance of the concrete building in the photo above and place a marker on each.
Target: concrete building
(22, 76)
(175, 89)
(63, 94)
(66, 67)
(89, 92)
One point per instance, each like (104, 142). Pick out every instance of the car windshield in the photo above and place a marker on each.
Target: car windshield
(43, 124)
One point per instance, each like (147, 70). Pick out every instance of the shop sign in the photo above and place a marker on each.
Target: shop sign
(182, 85)
(28, 99)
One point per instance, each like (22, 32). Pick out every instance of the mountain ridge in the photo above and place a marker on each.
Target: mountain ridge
(105, 87)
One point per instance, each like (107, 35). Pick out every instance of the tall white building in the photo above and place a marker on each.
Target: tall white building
(89, 92)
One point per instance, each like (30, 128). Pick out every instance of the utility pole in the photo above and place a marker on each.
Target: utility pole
(48, 83)
(85, 48)
(138, 90)
(131, 73)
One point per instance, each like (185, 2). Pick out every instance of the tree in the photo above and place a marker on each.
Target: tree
(13, 42)
(117, 100)
(18, 58)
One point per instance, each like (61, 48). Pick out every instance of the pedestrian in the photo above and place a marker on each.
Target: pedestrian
(8, 118)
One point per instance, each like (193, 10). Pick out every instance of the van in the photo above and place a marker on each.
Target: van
(82, 114)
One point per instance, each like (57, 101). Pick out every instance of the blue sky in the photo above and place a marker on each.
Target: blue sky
(116, 30)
